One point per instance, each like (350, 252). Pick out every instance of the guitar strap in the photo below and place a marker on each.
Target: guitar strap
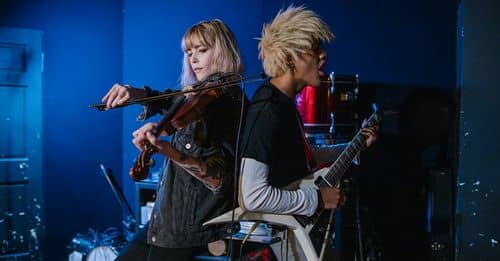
(311, 162)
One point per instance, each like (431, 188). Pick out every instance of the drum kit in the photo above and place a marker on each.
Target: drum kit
(95, 246)
(329, 110)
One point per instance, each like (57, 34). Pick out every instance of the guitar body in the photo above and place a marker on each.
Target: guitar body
(309, 181)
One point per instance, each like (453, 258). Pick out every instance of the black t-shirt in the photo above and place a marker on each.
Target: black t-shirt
(272, 135)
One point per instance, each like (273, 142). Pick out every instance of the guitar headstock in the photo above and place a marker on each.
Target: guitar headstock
(375, 118)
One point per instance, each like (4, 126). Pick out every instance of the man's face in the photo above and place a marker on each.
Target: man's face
(308, 67)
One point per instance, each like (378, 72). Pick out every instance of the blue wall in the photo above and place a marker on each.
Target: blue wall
(389, 41)
(90, 45)
(83, 57)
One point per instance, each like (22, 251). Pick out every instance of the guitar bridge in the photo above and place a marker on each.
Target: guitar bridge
(303, 220)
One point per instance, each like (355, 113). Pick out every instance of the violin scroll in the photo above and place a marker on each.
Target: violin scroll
(140, 170)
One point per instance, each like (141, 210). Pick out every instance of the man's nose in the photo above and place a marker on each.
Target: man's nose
(322, 57)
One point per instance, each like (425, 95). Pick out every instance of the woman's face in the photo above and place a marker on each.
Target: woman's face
(201, 59)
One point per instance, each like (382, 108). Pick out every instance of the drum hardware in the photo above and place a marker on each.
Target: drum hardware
(332, 123)
(129, 223)
(344, 97)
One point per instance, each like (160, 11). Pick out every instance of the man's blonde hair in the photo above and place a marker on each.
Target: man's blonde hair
(292, 33)
(213, 34)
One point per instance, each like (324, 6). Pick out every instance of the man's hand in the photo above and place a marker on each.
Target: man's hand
(331, 197)
(371, 133)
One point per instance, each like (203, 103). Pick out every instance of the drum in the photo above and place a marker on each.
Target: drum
(325, 107)
(96, 246)
(315, 105)
(102, 253)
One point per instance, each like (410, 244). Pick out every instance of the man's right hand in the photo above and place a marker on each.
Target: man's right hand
(119, 94)
(332, 197)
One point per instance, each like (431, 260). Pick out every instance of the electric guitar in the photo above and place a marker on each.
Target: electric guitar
(303, 240)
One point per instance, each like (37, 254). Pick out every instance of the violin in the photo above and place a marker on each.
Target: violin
(182, 112)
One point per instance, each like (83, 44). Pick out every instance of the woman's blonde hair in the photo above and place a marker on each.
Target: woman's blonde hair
(213, 34)
(292, 33)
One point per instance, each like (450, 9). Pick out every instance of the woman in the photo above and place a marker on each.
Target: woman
(197, 181)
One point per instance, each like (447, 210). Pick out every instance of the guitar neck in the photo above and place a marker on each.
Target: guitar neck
(343, 162)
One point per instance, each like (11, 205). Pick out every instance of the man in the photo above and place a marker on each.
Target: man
(274, 149)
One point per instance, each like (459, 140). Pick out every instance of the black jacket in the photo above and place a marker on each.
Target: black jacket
(183, 203)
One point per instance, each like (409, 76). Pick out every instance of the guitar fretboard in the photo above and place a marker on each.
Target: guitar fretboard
(343, 162)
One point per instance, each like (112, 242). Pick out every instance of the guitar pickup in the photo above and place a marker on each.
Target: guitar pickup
(321, 182)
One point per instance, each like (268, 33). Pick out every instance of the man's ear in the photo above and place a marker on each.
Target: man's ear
(290, 63)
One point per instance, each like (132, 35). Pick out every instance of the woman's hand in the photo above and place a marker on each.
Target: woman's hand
(146, 133)
(195, 167)
(119, 94)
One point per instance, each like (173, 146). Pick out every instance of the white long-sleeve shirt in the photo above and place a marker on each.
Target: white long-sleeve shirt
(259, 195)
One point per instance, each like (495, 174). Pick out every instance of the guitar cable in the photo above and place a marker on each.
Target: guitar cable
(247, 236)
(229, 253)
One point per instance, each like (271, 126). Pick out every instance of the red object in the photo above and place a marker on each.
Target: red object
(315, 105)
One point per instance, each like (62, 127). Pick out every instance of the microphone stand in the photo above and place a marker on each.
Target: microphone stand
(129, 222)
